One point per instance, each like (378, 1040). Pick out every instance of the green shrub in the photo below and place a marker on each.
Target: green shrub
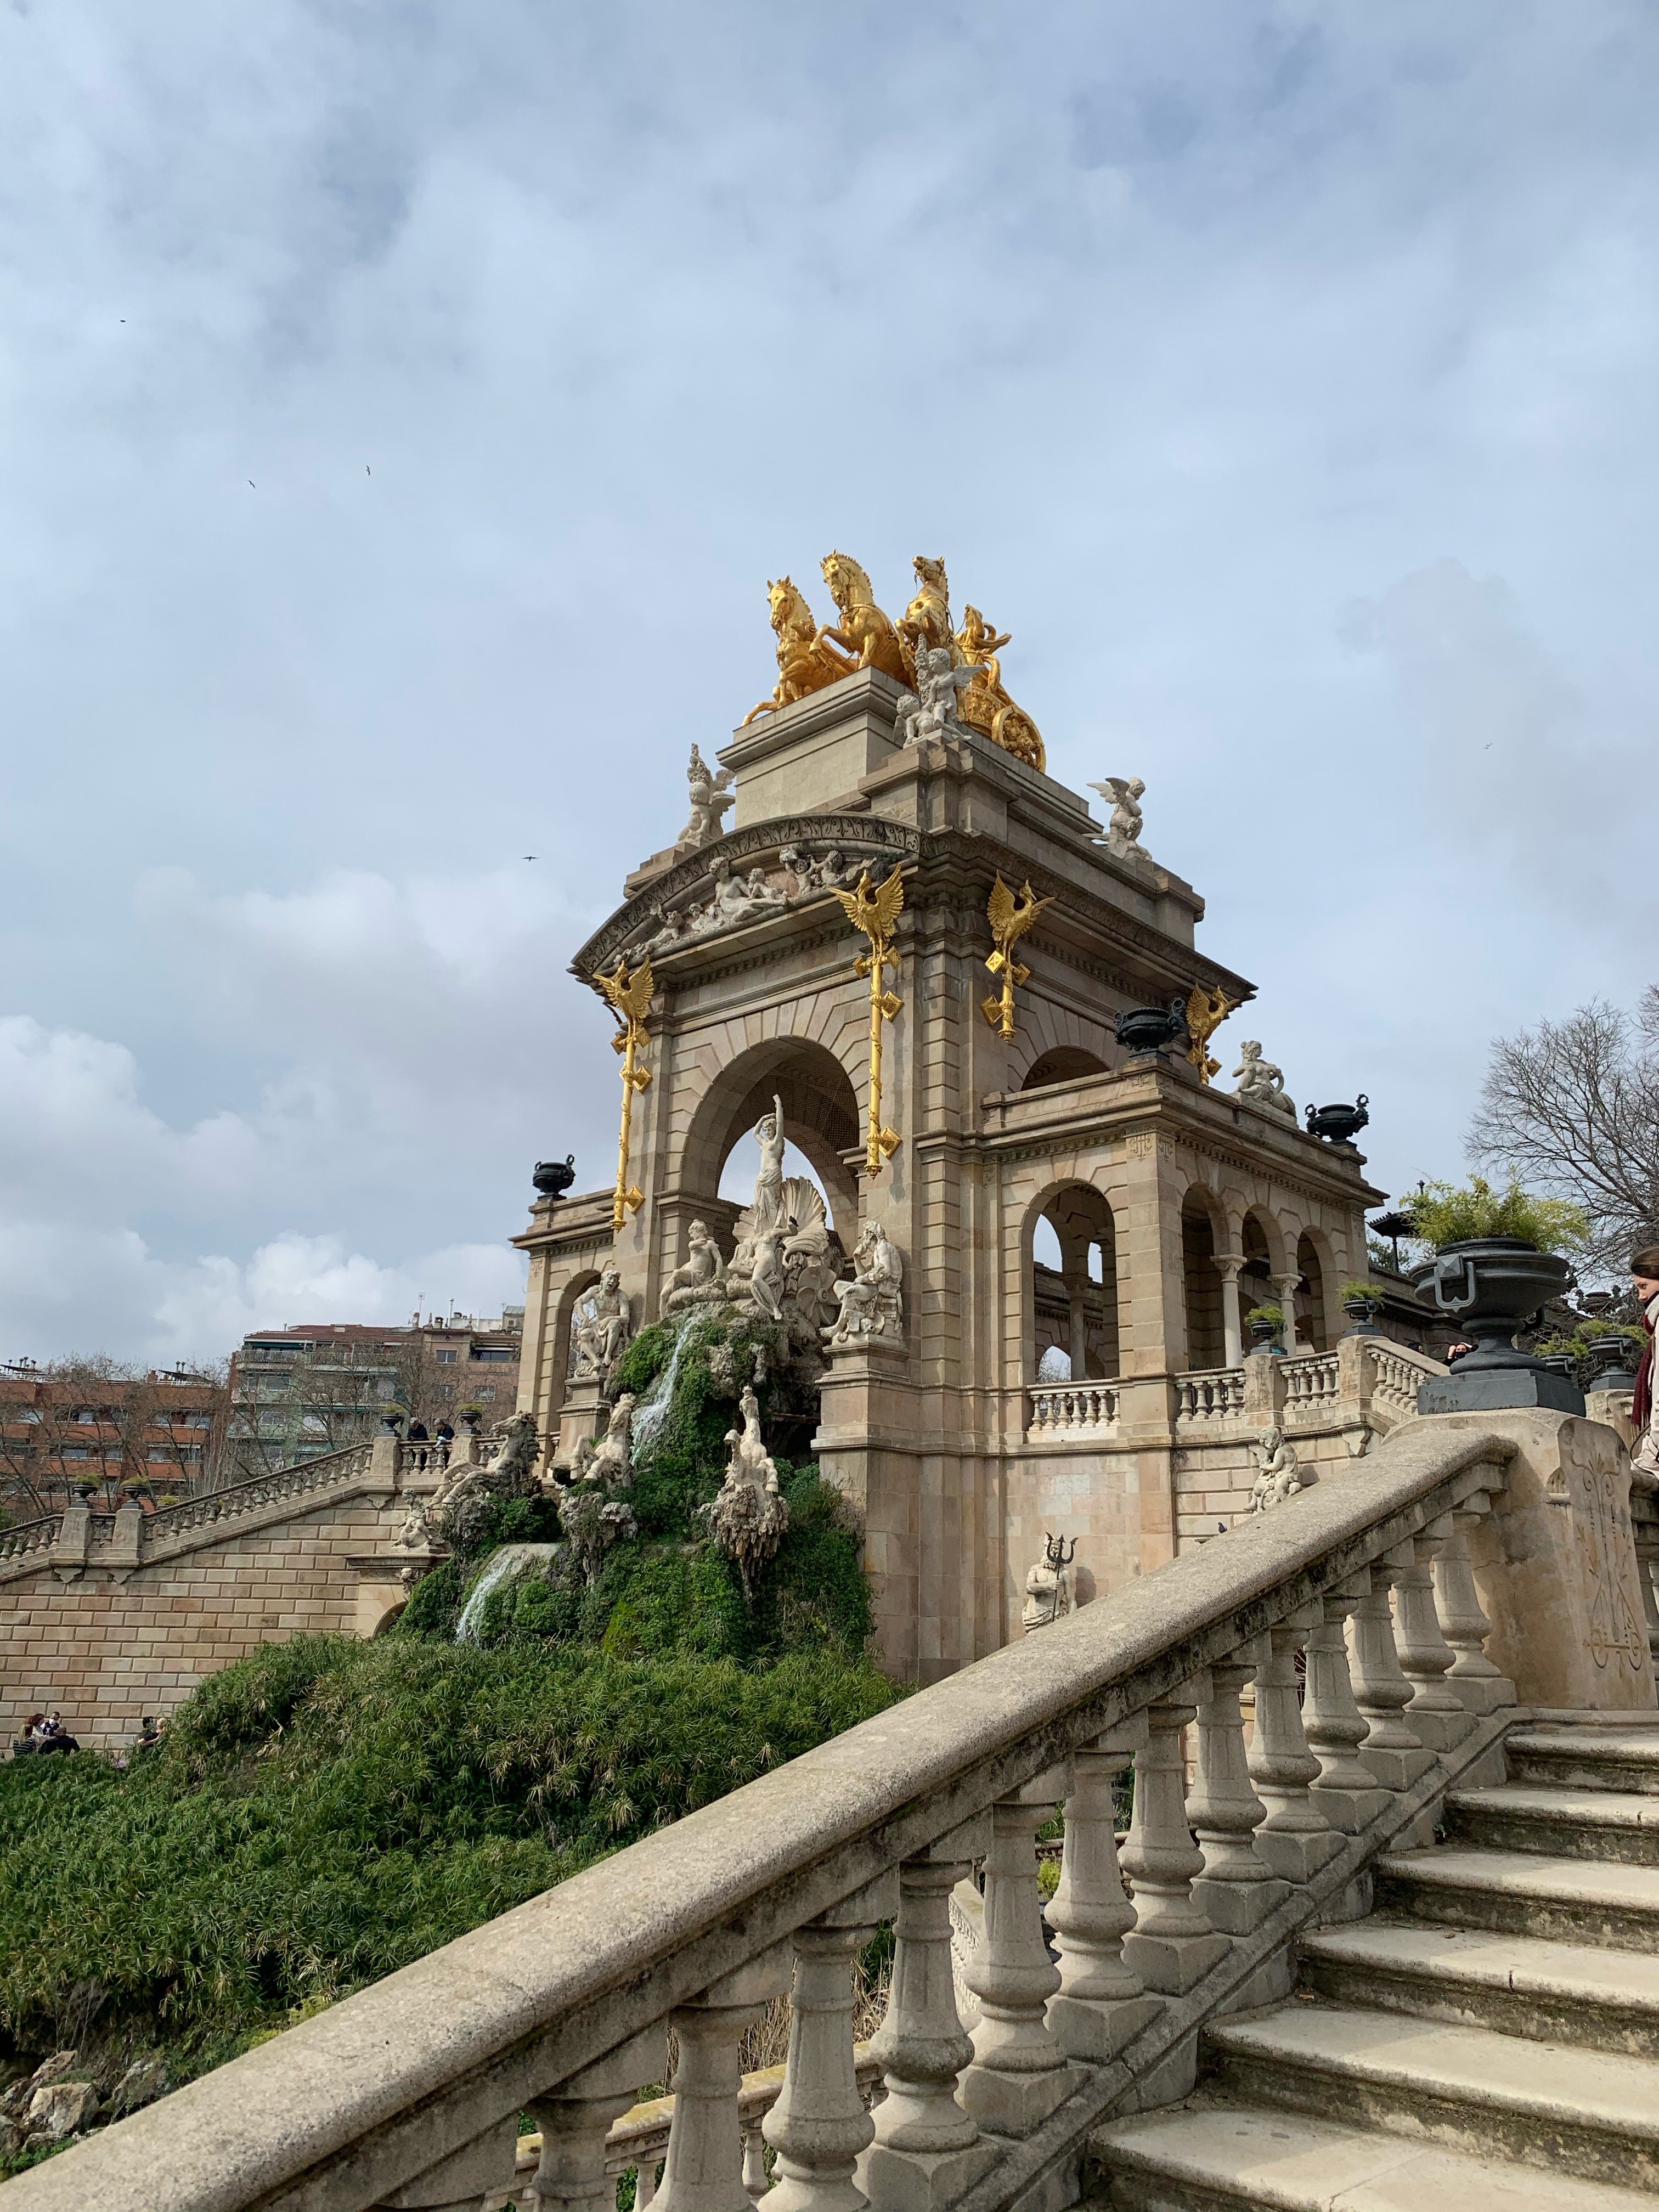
(1355, 1289)
(1448, 1213)
(1273, 1315)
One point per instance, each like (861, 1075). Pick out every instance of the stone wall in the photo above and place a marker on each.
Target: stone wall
(110, 1637)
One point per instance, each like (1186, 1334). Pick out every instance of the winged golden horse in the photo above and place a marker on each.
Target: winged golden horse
(875, 913)
(1010, 918)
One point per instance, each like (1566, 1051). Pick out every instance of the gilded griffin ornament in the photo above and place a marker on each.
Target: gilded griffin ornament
(1205, 1015)
(630, 999)
(1010, 918)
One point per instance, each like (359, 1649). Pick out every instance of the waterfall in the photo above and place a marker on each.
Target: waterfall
(651, 1410)
(506, 1565)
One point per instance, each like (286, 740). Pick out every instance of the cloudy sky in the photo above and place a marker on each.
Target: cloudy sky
(404, 405)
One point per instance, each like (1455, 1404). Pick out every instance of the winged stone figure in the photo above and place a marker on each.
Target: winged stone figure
(710, 795)
(1123, 831)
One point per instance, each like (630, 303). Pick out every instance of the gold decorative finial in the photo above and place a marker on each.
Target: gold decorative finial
(1010, 918)
(630, 998)
(1205, 1015)
(875, 914)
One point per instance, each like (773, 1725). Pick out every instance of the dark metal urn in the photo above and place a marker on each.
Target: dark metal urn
(1613, 1370)
(554, 1177)
(1338, 1125)
(1362, 1313)
(1145, 1030)
(1491, 1286)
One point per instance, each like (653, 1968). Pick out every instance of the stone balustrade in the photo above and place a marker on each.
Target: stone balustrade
(1071, 1409)
(1312, 1379)
(409, 2093)
(1214, 1395)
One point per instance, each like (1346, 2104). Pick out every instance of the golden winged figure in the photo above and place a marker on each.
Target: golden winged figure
(630, 999)
(874, 912)
(1010, 918)
(1205, 1015)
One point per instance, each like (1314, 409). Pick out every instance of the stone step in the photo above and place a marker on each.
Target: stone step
(1560, 1899)
(1207, 2157)
(1574, 1993)
(1593, 2114)
(1585, 1759)
(1622, 1826)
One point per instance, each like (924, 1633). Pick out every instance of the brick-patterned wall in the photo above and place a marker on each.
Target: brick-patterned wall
(104, 1653)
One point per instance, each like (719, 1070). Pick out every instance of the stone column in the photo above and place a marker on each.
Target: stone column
(1102, 2002)
(1296, 1838)
(1172, 1943)
(1229, 1266)
(818, 2125)
(1436, 1712)
(927, 2151)
(575, 2118)
(703, 2170)
(1392, 1749)
(1019, 2073)
(1347, 1793)
(1286, 1288)
(1237, 1888)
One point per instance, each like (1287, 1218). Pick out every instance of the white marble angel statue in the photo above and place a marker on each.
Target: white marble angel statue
(711, 794)
(1123, 831)
(930, 711)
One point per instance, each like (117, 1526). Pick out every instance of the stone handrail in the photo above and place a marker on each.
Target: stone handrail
(1311, 1377)
(29, 1537)
(1079, 1409)
(409, 2092)
(1215, 1394)
(237, 1498)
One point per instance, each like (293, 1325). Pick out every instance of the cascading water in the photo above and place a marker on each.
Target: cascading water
(652, 1411)
(511, 1563)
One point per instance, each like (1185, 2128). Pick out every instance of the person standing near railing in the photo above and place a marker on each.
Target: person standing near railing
(1644, 1415)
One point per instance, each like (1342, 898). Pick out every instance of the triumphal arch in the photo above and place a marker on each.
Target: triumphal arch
(920, 944)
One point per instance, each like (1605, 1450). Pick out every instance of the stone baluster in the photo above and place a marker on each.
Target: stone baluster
(1237, 1888)
(1393, 1750)
(645, 2181)
(1438, 1714)
(466, 2178)
(927, 2151)
(1296, 1838)
(756, 2180)
(1476, 1683)
(1347, 1792)
(703, 2171)
(1019, 2073)
(1172, 1942)
(1102, 2002)
(818, 2125)
(575, 2118)
(1229, 1266)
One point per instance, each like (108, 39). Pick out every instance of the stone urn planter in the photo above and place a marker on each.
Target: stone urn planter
(1145, 1030)
(1264, 1335)
(1491, 1286)
(392, 1422)
(1612, 1368)
(1362, 1313)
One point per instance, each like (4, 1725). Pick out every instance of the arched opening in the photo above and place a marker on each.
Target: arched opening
(820, 1121)
(1074, 1287)
(1065, 1063)
(1201, 1281)
(1310, 1324)
(561, 1346)
(1256, 1282)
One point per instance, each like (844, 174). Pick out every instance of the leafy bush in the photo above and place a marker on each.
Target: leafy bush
(1354, 1289)
(1447, 1213)
(327, 1810)
(1273, 1316)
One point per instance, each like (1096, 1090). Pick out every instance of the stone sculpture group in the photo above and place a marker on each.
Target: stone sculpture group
(747, 1519)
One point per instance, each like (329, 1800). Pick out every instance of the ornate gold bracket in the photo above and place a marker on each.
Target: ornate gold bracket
(875, 914)
(1010, 918)
(630, 998)
(1205, 1016)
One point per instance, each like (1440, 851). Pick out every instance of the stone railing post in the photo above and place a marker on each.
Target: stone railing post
(1229, 1266)
(1437, 1713)
(126, 1550)
(1237, 1888)
(703, 2170)
(1019, 2073)
(1287, 1287)
(1172, 1943)
(818, 2125)
(1472, 1675)
(1264, 1390)
(384, 1459)
(575, 2118)
(1347, 1793)
(1102, 2001)
(1392, 1751)
(72, 1542)
(1296, 1838)
(467, 2179)
(927, 2151)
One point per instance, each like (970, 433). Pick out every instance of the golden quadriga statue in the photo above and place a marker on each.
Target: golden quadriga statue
(810, 656)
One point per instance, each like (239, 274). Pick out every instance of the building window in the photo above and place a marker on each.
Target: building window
(487, 1392)
(445, 1389)
(498, 1355)
(76, 1451)
(85, 1416)
(447, 1356)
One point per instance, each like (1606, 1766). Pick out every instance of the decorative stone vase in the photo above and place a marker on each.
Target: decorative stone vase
(1362, 1313)
(1145, 1030)
(392, 1422)
(1491, 1286)
(1611, 1368)
(84, 1490)
(1338, 1125)
(1264, 1335)
(554, 1177)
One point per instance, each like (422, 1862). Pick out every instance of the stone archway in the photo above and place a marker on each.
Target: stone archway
(820, 1119)
(1201, 1226)
(1065, 1063)
(1313, 1293)
(1072, 1311)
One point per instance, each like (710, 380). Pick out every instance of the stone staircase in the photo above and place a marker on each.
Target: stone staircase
(1487, 2038)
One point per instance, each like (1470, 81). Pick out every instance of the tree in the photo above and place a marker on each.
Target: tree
(115, 1425)
(1572, 1108)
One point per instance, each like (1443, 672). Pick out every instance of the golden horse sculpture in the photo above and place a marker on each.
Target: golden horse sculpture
(804, 666)
(864, 633)
(927, 618)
